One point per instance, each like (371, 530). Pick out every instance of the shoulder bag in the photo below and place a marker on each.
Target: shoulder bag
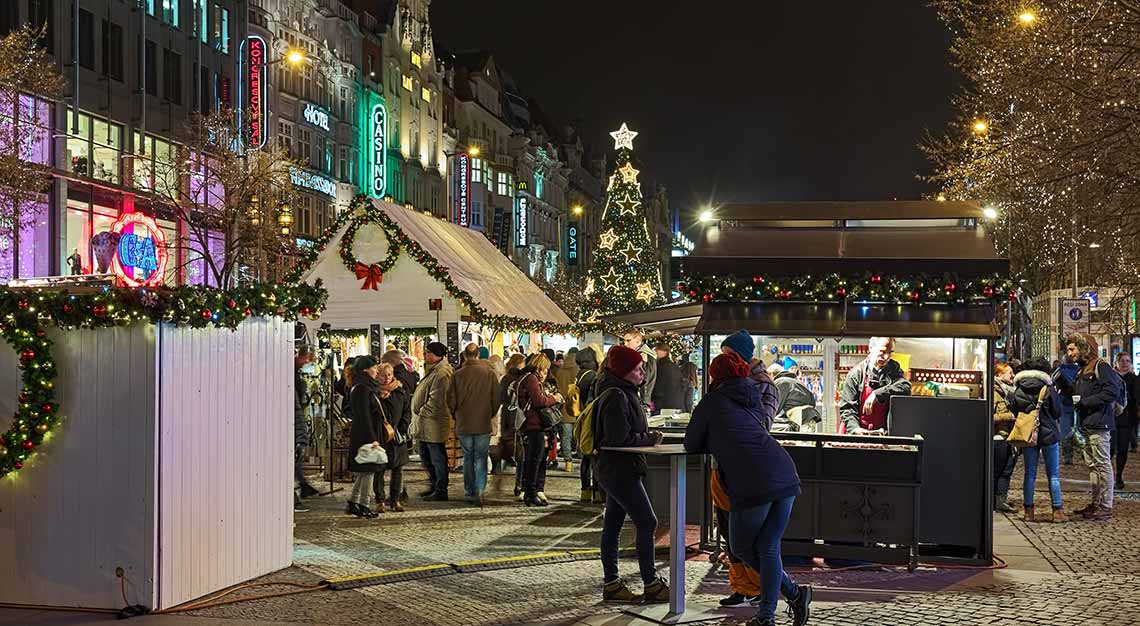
(1024, 431)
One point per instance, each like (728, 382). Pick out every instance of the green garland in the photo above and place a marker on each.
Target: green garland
(26, 314)
(868, 287)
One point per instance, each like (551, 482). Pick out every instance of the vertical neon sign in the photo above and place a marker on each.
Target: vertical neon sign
(463, 188)
(572, 243)
(522, 216)
(257, 104)
(379, 153)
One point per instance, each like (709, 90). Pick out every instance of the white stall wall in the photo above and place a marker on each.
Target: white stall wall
(225, 457)
(85, 504)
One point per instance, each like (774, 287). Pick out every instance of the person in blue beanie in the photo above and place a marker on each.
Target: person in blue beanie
(741, 344)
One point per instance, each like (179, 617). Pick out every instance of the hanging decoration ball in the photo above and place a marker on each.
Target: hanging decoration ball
(841, 292)
(305, 311)
(23, 397)
(99, 310)
(22, 304)
(988, 291)
(47, 407)
(42, 428)
(693, 293)
(205, 313)
(232, 303)
(18, 465)
(950, 287)
(913, 295)
(27, 445)
(757, 279)
(707, 297)
(67, 308)
(248, 312)
(875, 278)
(27, 354)
(785, 294)
(1012, 296)
(3, 452)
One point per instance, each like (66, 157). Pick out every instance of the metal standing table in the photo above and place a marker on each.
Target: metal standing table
(675, 612)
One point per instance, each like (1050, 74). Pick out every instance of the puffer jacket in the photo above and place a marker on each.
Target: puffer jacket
(620, 422)
(533, 396)
(754, 468)
(769, 394)
(1096, 384)
(1023, 399)
(430, 413)
(1004, 418)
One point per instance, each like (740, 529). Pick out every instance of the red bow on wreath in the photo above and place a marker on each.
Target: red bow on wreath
(370, 273)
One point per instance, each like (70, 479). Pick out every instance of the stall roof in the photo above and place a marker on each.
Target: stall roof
(791, 319)
(679, 319)
(863, 210)
(473, 262)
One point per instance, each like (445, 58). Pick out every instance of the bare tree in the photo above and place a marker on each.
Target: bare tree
(28, 81)
(235, 203)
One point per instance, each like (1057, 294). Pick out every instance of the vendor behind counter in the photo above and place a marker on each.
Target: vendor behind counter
(866, 396)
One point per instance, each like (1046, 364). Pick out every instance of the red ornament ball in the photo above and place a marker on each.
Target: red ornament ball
(27, 354)
(99, 310)
(950, 287)
(1013, 295)
(28, 445)
(232, 304)
(206, 313)
(248, 312)
(47, 407)
(305, 311)
(876, 279)
(841, 292)
(757, 279)
(988, 291)
(914, 296)
(67, 308)
(23, 396)
(707, 297)
(693, 293)
(18, 465)
(23, 304)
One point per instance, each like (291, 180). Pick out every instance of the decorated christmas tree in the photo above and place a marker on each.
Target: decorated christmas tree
(626, 275)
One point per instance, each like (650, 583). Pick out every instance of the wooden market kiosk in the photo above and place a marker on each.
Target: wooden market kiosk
(813, 282)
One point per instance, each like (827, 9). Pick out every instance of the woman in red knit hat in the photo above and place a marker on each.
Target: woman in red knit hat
(759, 479)
(620, 421)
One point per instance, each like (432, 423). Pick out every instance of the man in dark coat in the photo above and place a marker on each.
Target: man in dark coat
(796, 400)
(870, 385)
(302, 488)
(1126, 421)
(669, 390)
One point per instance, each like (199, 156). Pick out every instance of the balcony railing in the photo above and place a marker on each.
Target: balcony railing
(504, 160)
(338, 8)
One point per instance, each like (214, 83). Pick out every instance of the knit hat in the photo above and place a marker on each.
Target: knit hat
(437, 348)
(741, 343)
(549, 354)
(622, 360)
(728, 366)
(484, 353)
(364, 362)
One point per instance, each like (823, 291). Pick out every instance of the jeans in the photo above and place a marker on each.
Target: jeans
(475, 451)
(362, 489)
(626, 496)
(434, 458)
(1121, 442)
(1005, 460)
(755, 538)
(394, 488)
(1097, 454)
(565, 439)
(534, 462)
(1052, 455)
(1066, 430)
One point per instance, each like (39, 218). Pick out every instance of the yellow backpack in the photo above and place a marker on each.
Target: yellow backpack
(574, 396)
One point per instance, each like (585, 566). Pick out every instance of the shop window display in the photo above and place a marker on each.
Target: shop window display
(94, 148)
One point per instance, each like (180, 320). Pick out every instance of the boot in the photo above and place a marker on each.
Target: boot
(1027, 514)
(616, 591)
(1059, 516)
(379, 506)
(586, 496)
(657, 592)
(396, 506)
(1001, 506)
(599, 496)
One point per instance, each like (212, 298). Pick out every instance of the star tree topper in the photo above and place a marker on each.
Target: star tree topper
(623, 137)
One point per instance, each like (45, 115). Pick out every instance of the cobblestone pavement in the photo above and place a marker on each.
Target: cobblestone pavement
(1091, 571)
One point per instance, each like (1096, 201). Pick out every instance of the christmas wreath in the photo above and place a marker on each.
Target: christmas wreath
(26, 314)
(371, 273)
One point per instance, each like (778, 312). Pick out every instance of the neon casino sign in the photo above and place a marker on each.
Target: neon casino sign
(257, 103)
(142, 251)
(379, 153)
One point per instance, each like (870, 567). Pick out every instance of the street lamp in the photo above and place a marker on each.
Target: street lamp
(706, 216)
(990, 213)
(981, 126)
(284, 218)
(295, 57)
(576, 209)
(1027, 17)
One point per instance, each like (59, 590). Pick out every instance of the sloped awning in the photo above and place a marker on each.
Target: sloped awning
(477, 266)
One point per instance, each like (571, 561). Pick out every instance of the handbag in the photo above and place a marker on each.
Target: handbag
(550, 417)
(1024, 431)
(369, 454)
(391, 435)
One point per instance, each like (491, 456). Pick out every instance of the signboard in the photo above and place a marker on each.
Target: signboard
(496, 234)
(379, 153)
(1074, 316)
(376, 340)
(1092, 297)
(522, 218)
(435, 304)
(257, 104)
(140, 256)
(504, 231)
(572, 243)
(313, 182)
(453, 343)
(463, 189)
(315, 115)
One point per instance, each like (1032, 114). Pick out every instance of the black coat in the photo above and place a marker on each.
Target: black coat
(300, 400)
(1097, 390)
(620, 421)
(398, 411)
(1128, 418)
(409, 379)
(1023, 399)
(366, 418)
(669, 390)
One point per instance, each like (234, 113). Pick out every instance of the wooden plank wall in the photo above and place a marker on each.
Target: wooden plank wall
(225, 457)
(85, 504)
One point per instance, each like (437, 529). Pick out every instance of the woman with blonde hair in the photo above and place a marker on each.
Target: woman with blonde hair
(396, 410)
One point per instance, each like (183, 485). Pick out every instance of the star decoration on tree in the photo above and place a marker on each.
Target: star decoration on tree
(610, 278)
(628, 207)
(607, 239)
(628, 174)
(623, 137)
(645, 292)
(630, 252)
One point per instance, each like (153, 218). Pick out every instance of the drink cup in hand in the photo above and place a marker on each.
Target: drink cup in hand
(1076, 399)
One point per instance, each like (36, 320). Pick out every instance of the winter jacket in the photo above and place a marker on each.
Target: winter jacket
(885, 383)
(587, 363)
(1096, 384)
(474, 397)
(300, 400)
(649, 364)
(1023, 399)
(794, 394)
(620, 421)
(668, 389)
(532, 397)
(366, 427)
(429, 404)
(567, 375)
(1129, 417)
(754, 468)
(769, 395)
(410, 380)
(398, 412)
(1004, 417)
(507, 416)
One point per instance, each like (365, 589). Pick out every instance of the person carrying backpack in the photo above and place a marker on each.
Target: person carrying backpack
(566, 377)
(1096, 392)
(587, 361)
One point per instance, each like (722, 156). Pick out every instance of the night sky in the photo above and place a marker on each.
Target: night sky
(735, 101)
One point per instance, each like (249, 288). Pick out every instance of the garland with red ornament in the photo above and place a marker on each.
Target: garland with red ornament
(868, 287)
(25, 316)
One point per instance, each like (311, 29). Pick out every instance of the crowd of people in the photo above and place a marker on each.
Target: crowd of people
(1082, 404)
